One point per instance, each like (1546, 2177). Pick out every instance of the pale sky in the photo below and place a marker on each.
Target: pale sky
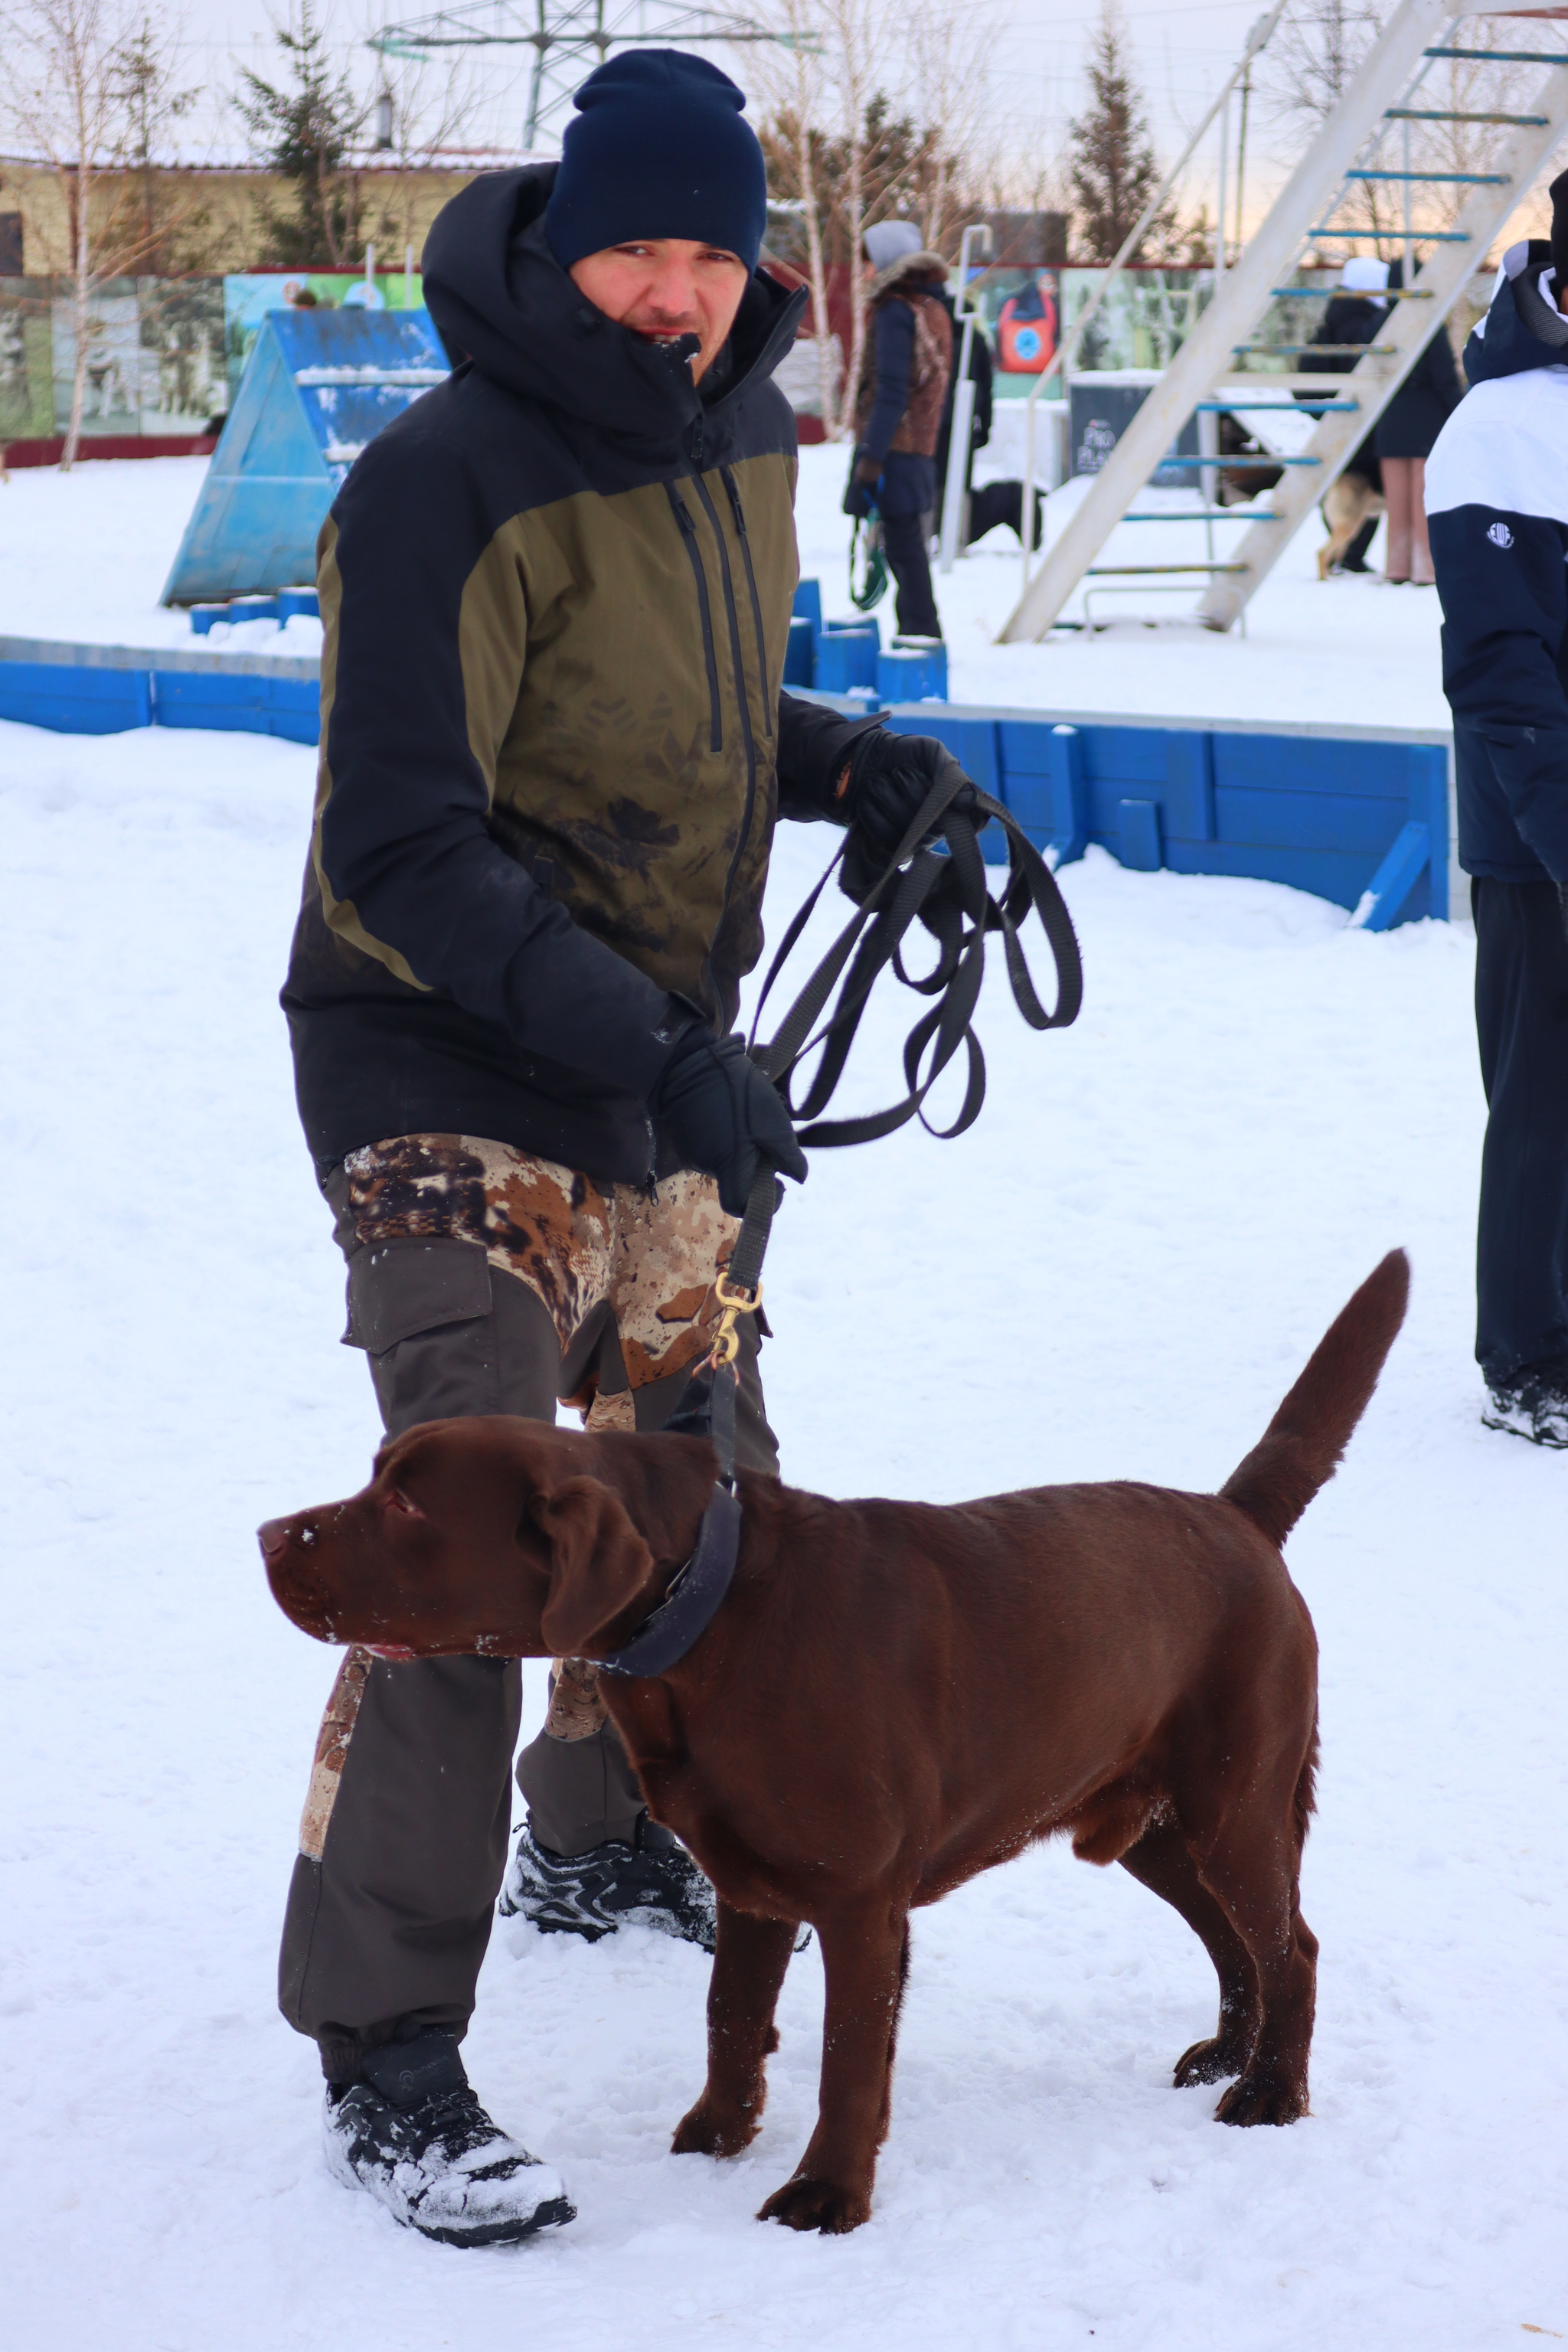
(1184, 49)
(1182, 52)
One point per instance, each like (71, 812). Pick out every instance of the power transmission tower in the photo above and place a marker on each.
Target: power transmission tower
(567, 38)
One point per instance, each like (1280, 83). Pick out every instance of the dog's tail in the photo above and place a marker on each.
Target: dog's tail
(1304, 1443)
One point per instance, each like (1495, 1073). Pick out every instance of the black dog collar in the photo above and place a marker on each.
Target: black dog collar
(692, 1601)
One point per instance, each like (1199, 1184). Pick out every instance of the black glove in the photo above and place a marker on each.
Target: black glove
(725, 1115)
(889, 776)
(860, 491)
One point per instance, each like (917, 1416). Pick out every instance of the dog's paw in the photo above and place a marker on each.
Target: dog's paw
(704, 2131)
(820, 2205)
(1261, 2098)
(1207, 2062)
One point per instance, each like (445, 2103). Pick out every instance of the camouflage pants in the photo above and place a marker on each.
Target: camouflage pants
(626, 1275)
(481, 1280)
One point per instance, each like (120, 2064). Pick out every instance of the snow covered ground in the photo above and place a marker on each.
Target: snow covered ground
(1351, 651)
(1118, 1271)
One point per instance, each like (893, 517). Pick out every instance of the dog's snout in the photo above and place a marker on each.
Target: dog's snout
(273, 1538)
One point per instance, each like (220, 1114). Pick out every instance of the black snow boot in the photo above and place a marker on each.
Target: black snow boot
(651, 1884)
(1533, 1405)
(414, 2134)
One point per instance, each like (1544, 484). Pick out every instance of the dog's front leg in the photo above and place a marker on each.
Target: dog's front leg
(749, 1967)
(865, 1953)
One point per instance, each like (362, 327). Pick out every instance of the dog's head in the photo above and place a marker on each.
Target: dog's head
(498, 1536)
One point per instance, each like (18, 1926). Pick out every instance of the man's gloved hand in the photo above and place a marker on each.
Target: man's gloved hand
(722, 1114)
(889, 776)
(861, 493)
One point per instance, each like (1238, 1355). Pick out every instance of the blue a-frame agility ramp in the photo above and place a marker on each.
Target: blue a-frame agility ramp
(318, 386)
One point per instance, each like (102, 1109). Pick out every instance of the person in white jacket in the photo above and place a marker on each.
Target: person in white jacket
(1497, 508)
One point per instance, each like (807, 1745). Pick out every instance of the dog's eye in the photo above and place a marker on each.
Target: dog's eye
(405, 1505)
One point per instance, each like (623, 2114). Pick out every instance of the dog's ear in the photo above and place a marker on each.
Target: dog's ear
(597, 1562)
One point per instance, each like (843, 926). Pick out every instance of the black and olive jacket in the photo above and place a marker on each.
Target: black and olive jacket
(556, 597)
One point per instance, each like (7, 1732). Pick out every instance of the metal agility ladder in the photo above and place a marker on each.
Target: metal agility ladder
(1365, 139)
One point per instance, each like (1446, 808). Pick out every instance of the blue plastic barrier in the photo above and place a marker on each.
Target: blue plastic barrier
(1355, 819)
(111, 689)
(809, 604)
(847, 655)
(1359, 819)
(915, 670)
(800, 660)
(247, 704)
(75, 702)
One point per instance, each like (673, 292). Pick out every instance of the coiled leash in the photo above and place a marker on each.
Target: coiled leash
(948, 897)
(867, 562)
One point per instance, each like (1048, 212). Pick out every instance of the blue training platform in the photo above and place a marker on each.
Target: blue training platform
(318, 386)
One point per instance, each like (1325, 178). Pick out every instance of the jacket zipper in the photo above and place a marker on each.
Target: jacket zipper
(689, 533)
(728, 478)
(747, 738)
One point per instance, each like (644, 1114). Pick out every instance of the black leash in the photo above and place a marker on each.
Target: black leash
(948, 897)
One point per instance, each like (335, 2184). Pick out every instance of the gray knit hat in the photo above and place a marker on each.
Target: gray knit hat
(890, 241)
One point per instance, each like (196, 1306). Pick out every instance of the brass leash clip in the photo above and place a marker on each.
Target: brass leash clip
(735, 1303)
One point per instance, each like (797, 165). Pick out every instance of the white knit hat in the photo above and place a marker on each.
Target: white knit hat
(1365, 275)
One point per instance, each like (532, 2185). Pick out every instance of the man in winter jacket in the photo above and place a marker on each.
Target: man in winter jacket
(1497, 509)
(899, 405)
(556, 598)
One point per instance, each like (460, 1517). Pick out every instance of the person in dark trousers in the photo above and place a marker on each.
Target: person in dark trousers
(1496, 509)
(1404, 440)
(898, 403)
(1353, 316)
(991, 503)
(555, 596)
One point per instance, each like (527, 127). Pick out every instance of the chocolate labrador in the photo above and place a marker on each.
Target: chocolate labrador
(895, 1695)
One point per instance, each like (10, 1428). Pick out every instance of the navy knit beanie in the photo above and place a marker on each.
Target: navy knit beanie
(659, 149)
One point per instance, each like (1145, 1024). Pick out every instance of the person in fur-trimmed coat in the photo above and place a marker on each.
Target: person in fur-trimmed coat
(898, 403)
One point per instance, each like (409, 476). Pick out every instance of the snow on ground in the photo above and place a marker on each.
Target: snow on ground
(84, 556)
(1118, 1271)
(1353, 651)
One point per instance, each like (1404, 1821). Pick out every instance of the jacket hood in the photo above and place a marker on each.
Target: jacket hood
(500, 298)
(911, 266)
(1521, 329)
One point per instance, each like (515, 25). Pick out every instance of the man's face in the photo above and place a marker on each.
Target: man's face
(662, 286)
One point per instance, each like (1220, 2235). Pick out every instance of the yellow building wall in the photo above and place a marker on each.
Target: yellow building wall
(209, 221)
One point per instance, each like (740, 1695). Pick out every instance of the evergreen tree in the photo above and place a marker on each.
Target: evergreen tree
(306, 129)
(1113, 170)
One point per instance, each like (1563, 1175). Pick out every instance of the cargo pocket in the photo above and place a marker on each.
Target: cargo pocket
(422, 1311)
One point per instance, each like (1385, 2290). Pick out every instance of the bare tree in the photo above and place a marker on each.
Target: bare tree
(850, 34)
(432, 110)
(91, 92)
(1311, 63)
(951, 47)
(791, 79)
